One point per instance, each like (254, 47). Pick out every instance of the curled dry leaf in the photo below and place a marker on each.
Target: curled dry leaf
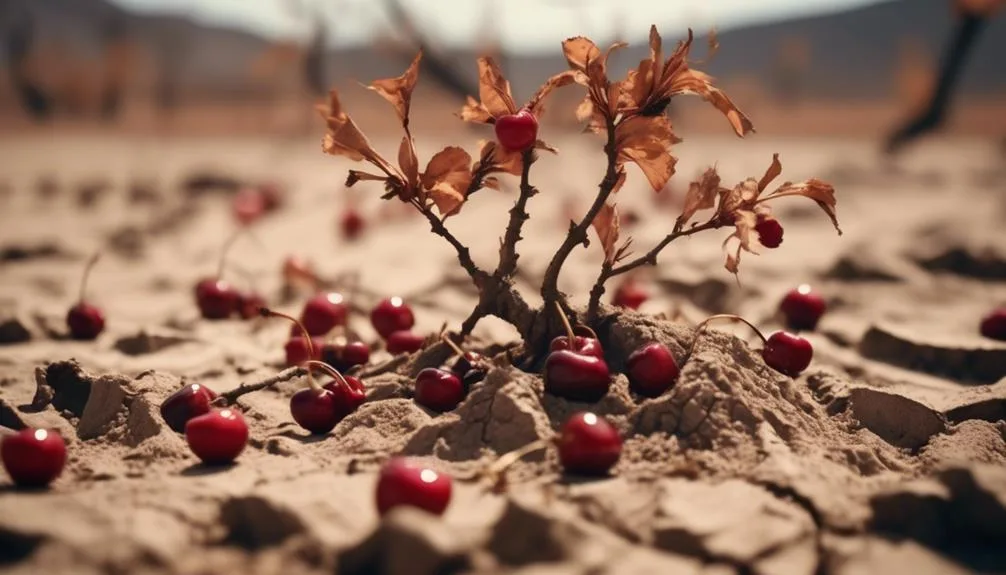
(398, 91)
(742, 205)
(648, 89)
(701, 195)
(447, 178)
(606, 224)
(494, 93)
(647, 141)
(590, 67)
(344, 138)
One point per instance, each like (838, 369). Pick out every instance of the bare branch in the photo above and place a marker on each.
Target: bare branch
(518, 215)
(578, 233)
(609, 270)
(477, 274)
(230, 397)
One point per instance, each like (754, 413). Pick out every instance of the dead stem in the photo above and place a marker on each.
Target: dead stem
(699, 329)
(518, 215)
(464, 254)
(609, 270)
(496, 472)
(578, 233)
(231, 397)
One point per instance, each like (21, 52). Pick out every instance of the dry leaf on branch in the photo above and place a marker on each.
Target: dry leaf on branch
(496, 101)
(606, 224)
(701, 196)
(448, 175)
(647, 141)
(648, 89)
(742, 206)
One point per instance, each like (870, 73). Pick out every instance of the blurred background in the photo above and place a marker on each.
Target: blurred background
(219, 67)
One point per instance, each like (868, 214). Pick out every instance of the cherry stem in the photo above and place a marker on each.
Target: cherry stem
(225, 249)
(565, 322)
(87, 274)
(702, 326)
(330, 371)
(266, 312)
(450, 343)
(497, 470)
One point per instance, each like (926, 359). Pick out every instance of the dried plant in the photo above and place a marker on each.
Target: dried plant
(629, 114)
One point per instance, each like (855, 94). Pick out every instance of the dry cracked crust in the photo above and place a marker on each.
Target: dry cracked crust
(736, 470)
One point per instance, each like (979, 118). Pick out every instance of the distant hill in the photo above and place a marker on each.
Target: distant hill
(852, 53)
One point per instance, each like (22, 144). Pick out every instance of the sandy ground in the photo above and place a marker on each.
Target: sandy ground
(887, 456)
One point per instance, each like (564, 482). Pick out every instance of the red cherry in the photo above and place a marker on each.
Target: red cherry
(588, 445)
(629, 295)
(787, 353)
(769, 231)
(347, 397)
(404, 483)
(217, 437)
(352, 224)
(314, 410)
(323, 312)
(248, 205)
(33, 457)
(518, 131)
(651, 370)
(272, 195)
(993, 325)
(190, 401)
(802, 308)
(345, 355)
(404, 342)
(438, 389)
(391, 315)
(216, 299)
(85, 321)
(297, 351)
(583, 345)
(249, 304)
(576, 377)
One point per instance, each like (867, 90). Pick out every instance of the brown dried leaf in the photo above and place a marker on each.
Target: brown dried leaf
(408, 162)
(358, 176)
(647, 142)
(821, 192)
(606, 224)
(507, 161)
(494, 90)
(398, 91)
(447, 178)
(344, 138)
(473, 111)
(698, 83)
(579, 52)
(771, 173)
(744, 223)
(540, 145)
(534, 105)
(701, 195)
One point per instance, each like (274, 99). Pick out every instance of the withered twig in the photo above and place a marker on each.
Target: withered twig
(610, 270)
(230, 397)
(578, 233)
(464, 254)
(386, 367)
(469, 324)
(518, 215)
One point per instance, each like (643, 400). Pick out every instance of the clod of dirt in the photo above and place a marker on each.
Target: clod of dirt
(41, 250)
(111, 406)
(128, 241)
(12, 329)
(964, 257)
(714, 522)
(89, 193)
(983, 363)
(145, 342)
(502, 413)
(380, 426)
(408, 542)
(957, 512)
(205, 181)
(863, 263)
(968, 442)
(897, 419)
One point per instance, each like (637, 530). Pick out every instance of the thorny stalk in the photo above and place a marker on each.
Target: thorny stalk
(518, 215)
(610, 269)
(578, 233)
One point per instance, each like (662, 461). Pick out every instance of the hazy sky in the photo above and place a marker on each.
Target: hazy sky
(521, 25)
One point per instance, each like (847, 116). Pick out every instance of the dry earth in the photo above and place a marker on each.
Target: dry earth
(887, 456)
